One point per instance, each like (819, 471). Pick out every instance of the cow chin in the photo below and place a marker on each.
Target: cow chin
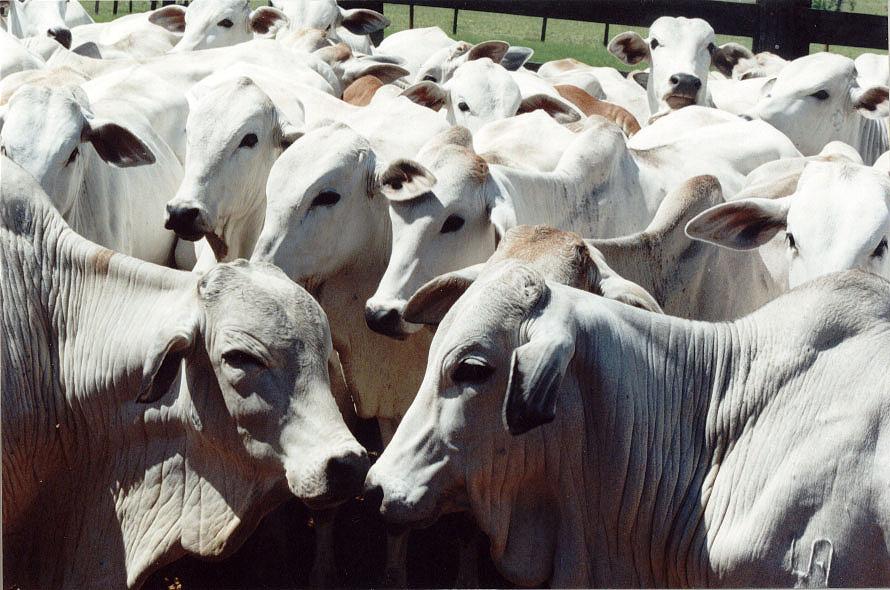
(679, 101)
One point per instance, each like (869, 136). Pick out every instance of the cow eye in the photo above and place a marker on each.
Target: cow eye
(429, 78)
(789, 237)
(238, 359)
(471, 371)
(248, 141)
(325, 199)
(73, 156)
(654, 43)
(821, 95)
(452, 224)
(463, 106)
(880, 250)
(225, 23)
(712, 48)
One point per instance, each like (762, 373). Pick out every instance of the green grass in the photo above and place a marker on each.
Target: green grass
(583, 41)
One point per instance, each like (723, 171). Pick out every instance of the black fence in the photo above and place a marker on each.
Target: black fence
(785, 27)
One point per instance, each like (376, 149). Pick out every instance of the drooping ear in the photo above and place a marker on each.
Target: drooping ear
(404, 180)
(334, 54)
(163, 361)
(170, 17)
(361, 21)
(725, 57)
(611, 285)
(873, 102)
(740, 225)
(386, 73)
(289, 133)
(88, 49)
(493, 50)
(556, 108)
(629, 47)
(430, 303)
(503, 217)
(640, 77)
(516, 57)
(267, 21)
(116, 145)
(427, 94)
(536, 372)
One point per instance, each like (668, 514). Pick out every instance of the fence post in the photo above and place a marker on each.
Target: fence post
(606, 35)
(114, 7)
(410, 16)
(454, 23)
(544, 29)
(96, 9)
(153, 5)
(782, 27)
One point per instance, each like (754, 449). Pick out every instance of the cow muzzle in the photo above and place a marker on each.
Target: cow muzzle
(187, 220)
(62, 36)
(338, 479)
(683, 90)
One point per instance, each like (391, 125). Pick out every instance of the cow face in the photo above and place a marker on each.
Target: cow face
(441, 65)
(443, 214)
(498, 355)
(53, 134)
(322, 209)
(267, 343)
(816, 99)
(35, 18)
(221, 23)
(235, 133)
(326, 15)
(680, 52)
(837, 219)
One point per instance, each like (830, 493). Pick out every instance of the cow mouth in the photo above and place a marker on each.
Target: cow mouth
(679, 101)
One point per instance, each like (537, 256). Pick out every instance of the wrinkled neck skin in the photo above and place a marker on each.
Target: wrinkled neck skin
(99, 490)
(611, 500)
(383, 374)
(873, 139)
(600, 194)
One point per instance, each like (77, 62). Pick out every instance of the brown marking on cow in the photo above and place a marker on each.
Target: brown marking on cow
(335, 54)
(360, 92)
(102, 260)
(561, 256)
(872, 97)
(567, 64)
(590, 105)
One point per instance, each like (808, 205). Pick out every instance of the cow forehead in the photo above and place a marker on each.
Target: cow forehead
(200, 10)
(562, 256)
(310, 13)
(229, 106)
(680, 29)
(811, 72)
(40, 116)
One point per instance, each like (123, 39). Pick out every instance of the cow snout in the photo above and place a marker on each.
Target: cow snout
(187, 221)
(63, 36)
(685, 84)
(373, 495)
(344, 478)
(384, 320)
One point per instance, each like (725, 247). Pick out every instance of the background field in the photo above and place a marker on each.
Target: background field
(583, 41)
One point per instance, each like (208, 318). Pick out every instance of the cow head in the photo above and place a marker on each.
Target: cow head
(235, 133)
(220, 23)
(54, 135)
(837, 219)
(442, 64)
(35, 18)
(499, 358)
(817, 98)
(327, 16)
(680, 52)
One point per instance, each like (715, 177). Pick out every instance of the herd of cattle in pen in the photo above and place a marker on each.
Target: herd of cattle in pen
(230, 234)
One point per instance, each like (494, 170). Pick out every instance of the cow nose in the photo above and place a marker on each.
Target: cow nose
(184, 221)
(685, 83)
(346, 473)
(63, 36)
(384, 321)
(373, 496)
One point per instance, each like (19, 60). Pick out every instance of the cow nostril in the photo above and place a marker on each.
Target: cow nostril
(385, 321)
(675, 80)
(182, 219)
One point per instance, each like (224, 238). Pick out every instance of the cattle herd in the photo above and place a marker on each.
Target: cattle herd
(636, 328)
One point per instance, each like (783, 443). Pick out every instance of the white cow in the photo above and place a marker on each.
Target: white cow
(113, 463)
(482, 91)
(817, 99)
(139, 35)
(838, 218)
(416, 46)
(102, 164)
(349, 26)
(872, 69)
(449, 206)
(441, 65)
(15, 57)
(33, 18)
(221, 23)
(680, 51)
(599, 445)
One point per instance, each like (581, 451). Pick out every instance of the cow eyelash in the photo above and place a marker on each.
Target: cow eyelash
(239, 359)
(463, 106)
(226, 23)
(792, 243)
(73, 156)
(452, 224)
(654, 43)
(821, 95)
(712, 48)
(471, 371)
(248, 141)
(325, 199)
(881, 250)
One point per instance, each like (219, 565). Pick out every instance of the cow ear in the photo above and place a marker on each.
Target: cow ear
(556, 108)
(266, 21)
(640, 77)
(170, 17)
(404, 180)
(493, 50)
(873, 102)
(88, 49)
(361, 21)
(740, 225)
(427, 94)
(725, 57)
(611, 285)
(386, 73)
(430, 303)
(629, 47)
(516, 57)
(503, 217)
(334, 54)
(117, 145)
(537, 369)
(289, 133)
(163, 361)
